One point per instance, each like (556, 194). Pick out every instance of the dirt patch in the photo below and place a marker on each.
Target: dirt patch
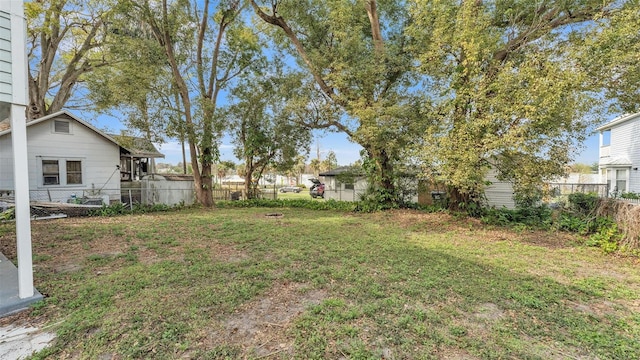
(260, 328)
(599, 309)
(489, 312)
(454, 354)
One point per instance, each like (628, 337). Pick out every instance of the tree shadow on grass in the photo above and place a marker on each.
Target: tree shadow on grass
(414, 300)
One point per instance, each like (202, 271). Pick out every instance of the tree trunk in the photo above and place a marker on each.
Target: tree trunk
(247, 184)
(382, 177)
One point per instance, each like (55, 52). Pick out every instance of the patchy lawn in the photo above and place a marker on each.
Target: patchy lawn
(235, 283)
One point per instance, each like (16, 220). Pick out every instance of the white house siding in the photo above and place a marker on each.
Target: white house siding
(98, 157)
(623, 153)
(5, 53)
(336, 191)
(499, 193)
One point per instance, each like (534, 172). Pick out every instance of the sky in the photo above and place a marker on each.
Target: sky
(346, 151)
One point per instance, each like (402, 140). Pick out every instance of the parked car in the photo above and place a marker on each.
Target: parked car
(317, 190)
(286, 189)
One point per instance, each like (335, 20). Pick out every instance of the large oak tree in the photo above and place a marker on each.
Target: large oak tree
(356, 53)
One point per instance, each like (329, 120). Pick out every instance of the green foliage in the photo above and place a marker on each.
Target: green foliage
(607, 238)
(610, 54)
(262, 110)
(584, 204)
(503, 98)
(351, 206)
(539, 217)
(577, 217)
(630, 195)
(290, 203)
(8, 214)
(365, 77)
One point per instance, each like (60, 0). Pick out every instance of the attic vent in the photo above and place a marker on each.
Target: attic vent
(61, 126)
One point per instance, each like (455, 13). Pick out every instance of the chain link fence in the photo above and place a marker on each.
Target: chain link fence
(558, 189)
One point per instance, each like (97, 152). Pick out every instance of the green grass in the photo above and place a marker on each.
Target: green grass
(302, 195)
(394, 285)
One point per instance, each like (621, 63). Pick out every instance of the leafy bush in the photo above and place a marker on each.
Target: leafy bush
(607, 238)
(350, 206)
(584, 204)
(122, 209)
(535, 217)
(630, 195)
(8, 214)
(291, 203)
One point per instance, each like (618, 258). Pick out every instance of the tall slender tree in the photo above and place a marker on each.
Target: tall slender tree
(266, 133)
(207, 47)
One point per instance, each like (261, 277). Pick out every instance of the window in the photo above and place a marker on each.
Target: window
(50, 172)
(621, 180)
(74, 172)
(61, 126)
(348, 186)
(606, 137)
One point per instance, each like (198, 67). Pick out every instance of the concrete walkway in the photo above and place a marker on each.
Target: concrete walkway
(17, 342)
(20, 342)
(9, 300)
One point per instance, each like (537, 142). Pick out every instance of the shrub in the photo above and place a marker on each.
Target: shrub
(535, 217)
(585, 204)
(353, 206)
(122, 209)
(630, 195)
(607, 238)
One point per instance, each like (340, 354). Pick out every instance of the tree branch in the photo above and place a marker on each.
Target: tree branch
(281, 23)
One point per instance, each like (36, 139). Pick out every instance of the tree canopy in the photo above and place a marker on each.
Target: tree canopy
(452, 88)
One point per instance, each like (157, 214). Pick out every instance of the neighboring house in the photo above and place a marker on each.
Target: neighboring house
(620, 154)
(344, 183)
(68, 158)
(347, 184)
(499, 193)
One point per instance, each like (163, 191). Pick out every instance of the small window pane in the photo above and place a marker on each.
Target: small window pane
(61, 126)
(74, 172)
(606, 138)
(50, 172)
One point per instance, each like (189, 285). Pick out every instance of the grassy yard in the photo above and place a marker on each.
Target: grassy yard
(235, 283)
(302, 195)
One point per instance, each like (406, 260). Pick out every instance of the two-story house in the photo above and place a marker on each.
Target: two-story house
(620, 154)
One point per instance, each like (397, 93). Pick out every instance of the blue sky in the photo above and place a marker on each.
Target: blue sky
(346, 151)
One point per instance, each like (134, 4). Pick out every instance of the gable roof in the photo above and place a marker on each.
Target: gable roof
(60, 114)
(353, 170)
(137, 147)
(619, 120)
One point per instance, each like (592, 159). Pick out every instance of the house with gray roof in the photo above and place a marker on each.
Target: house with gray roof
(70, 158)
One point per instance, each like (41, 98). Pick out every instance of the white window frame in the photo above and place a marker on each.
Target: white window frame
(605, 138)
(62, 172)
(53, 127)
